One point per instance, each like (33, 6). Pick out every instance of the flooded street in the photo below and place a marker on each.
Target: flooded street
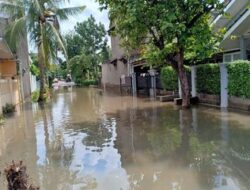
(86, 140)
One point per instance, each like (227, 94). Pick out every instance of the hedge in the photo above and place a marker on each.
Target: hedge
(86, 83)
(169, 78)
(208, 79)
(239, 79)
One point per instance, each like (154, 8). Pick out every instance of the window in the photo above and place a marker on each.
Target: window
(229, 57)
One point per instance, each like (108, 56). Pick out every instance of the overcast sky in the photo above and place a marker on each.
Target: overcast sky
(92, 7)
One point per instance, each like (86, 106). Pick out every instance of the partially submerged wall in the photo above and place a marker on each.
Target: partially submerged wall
(227, 87)
(9, 92)
(111, 73)
(22, 56)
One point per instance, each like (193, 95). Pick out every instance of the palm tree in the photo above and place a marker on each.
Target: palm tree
(40, 19)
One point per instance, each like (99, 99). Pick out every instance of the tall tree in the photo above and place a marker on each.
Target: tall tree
(172, 32)
(40, 19)
(87, 48)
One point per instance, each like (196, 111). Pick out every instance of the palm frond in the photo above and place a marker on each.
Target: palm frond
(15, 31)
(37, 6)
(58, 38)
(15, 10)
(64, 13)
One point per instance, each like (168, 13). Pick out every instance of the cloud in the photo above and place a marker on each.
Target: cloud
(92, 7)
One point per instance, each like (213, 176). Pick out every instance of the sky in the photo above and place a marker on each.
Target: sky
(92, 7)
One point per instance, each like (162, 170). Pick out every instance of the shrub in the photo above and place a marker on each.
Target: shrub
(34, 70)
(8, 109)
(169, 78)
(208, 79)
(82, 82)
(89, 82)
(35, 96)
(239, 79)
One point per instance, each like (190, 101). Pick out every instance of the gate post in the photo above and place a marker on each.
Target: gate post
(134, 88)
(152, 90)
(193, 79)
(224, 85)
(179, 88)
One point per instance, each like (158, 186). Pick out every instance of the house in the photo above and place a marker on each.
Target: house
(115, 68)
(14, 70)
(236, 21)
(235, 46)
(126, 71)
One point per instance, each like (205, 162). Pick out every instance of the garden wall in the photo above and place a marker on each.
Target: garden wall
(9, 92)
(169, 80)
(208, 83)
(239, 85)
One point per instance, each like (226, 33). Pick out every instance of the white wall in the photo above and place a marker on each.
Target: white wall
(9, 92)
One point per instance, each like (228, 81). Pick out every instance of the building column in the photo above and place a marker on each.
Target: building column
(243, 48)
(180, 90)
(224, 85)
(134, 87)
(193, 79)
(152, 90)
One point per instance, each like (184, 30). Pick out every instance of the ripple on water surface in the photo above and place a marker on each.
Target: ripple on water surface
(84, 139)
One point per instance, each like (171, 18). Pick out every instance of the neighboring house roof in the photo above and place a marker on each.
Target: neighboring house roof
(236, 20)
(232, 10)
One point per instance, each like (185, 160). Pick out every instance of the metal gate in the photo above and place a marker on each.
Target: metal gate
(143, 84)
(126, 85)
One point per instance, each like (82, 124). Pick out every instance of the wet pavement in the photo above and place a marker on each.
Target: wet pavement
(88, 140)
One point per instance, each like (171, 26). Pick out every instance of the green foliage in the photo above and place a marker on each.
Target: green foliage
(82, 68)
(239, 79)
(208, 79)
(35, 96)
(34, 64)
(34, 70)
(88, 38)
(175, 32)
(169, 78)
(9, 109)
(89, 82)
(87, 49)
(161, 29)
(39, 19)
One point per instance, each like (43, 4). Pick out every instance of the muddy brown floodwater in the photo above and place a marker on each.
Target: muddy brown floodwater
(86, 140)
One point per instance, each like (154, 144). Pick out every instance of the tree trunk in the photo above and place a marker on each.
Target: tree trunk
(41, 65)
(183, 80)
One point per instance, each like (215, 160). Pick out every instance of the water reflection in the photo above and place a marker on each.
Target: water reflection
(86, 140)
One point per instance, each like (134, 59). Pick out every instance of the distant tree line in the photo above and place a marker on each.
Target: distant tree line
(87, 48)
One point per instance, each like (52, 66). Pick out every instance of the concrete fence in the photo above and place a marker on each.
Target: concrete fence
(224, 100)
(9, 92)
